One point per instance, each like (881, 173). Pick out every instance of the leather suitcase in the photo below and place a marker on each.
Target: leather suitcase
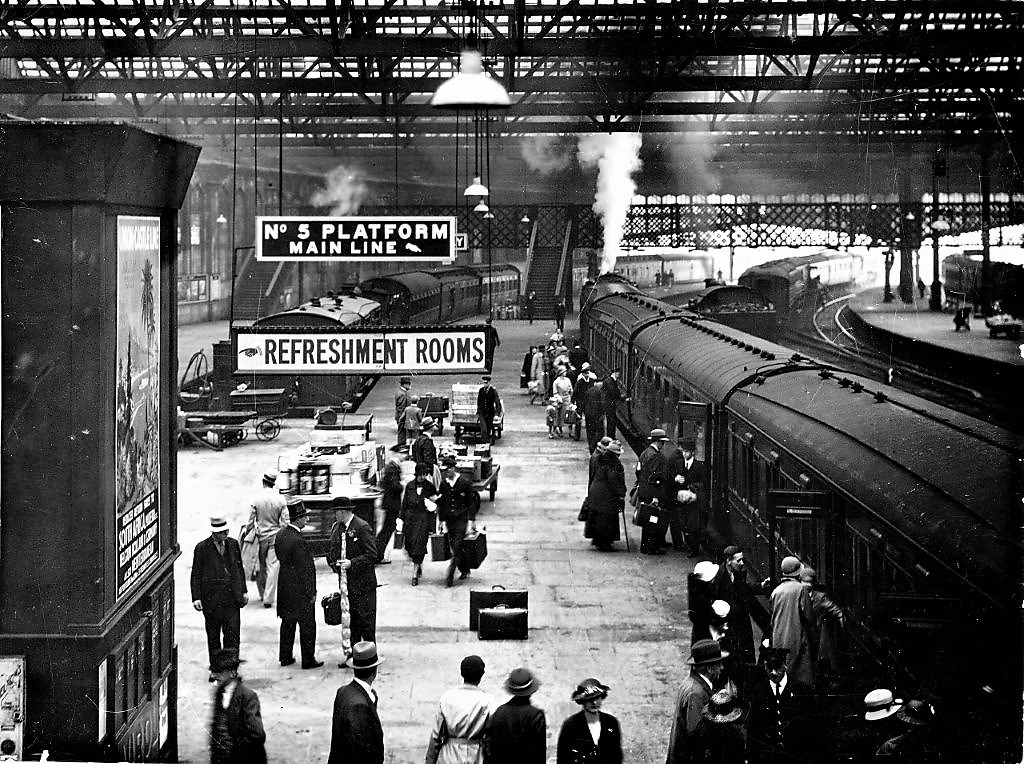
(475, 549)
(504, 623)
(650, 515)
(439, 549)
(332, 609)
(399, 542)
(496, 595)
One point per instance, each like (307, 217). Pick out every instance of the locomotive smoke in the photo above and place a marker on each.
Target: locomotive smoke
(345, 193)
(546, 154)
(617, 157)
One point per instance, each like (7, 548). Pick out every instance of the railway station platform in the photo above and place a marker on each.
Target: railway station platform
(913, 333)
(620, 617)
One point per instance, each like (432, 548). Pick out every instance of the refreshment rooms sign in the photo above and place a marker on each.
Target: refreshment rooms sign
(373, 350)
(395, 239)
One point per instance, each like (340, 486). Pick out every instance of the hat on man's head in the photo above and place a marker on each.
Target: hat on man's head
(427, 423)
(916, 713)
(342, 502)
(270, 478)
(486, 377)
(225, 659)
(705, 570)
(880, 704)
(687, 444)
(585, 365)
(614, 448)
(296, 508)
(448, 461)
(658, 434)
(729, 552)
(364, 656)
(405, 380)
(773, 656)
(218, 524)
(790, 566)
(604, 443)
(706, 651)
(522, 683)
(722, 708)
(472, 666)
(589, 689)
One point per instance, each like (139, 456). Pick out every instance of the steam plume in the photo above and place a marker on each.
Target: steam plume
(617, 157)
(546, 154)
(345, 192)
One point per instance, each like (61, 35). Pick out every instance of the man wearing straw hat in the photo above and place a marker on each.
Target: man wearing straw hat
(218, 587)
(356, 733)
(517, 730)
(706, 658)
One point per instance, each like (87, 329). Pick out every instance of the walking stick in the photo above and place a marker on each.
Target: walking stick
(625, 530)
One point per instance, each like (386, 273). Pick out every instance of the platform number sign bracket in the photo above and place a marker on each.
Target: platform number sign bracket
(462, 242)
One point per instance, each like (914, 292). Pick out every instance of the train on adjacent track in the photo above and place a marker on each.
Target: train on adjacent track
(908, 510)
(787, 283)
(962, 279)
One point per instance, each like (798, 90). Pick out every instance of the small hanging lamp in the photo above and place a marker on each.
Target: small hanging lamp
(481, 207)
(476, 188)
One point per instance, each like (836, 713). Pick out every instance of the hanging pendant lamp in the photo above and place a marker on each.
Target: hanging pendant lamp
(481, 207)
(471, 87)
(476, 188)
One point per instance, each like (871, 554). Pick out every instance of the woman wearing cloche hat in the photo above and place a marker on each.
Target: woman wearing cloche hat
(590, 736)
(606, 498)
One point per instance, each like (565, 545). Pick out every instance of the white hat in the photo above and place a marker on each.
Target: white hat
(218, 524)
(721, 608)
(705, 570)
(585, 366)
(880, 705)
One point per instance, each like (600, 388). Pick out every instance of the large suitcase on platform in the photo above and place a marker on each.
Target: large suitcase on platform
(493, 597)
(504, 623)
(650, 515)
(474, 548)
(439, 548)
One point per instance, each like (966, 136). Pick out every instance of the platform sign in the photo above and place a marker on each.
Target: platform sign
(462, 242)
(347, 239)
(369, 350)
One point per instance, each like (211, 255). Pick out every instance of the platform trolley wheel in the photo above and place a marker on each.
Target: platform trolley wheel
(268, 429)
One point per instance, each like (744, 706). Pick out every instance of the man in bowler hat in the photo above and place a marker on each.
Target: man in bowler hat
(218, 587)
(236, 734)
(356, 733)
(352, 550)
(517, 730)
(706, 657)
(793, 622)
(651, 479)
(296, 590)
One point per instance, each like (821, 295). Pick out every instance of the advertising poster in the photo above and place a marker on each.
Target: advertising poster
(137, 406)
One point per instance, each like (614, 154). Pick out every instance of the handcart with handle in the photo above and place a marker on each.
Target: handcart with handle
(463, 413)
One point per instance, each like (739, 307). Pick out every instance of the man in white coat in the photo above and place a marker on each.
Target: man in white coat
(461, 716)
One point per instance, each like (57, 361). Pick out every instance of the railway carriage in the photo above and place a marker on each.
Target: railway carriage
(784, 282)
(907, 509)
(411, 298)
(460, 292)
(504, 281)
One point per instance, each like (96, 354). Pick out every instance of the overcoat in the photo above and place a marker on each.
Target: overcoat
(216, 580)
(576, 744)
(237, 735)
(606, 499)
(694, 694)
(356, 733)
(296, 583)
(516, 734)
(417, 522)
(792, 628)
(738, 593)
(424, 451)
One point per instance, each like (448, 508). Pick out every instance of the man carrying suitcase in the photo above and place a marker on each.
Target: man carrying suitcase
(457, 510)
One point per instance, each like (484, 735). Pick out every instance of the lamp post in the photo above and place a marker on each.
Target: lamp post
(938, 226)
(890, 258)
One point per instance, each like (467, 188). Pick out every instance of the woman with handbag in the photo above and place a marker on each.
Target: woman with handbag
(418, 517)
(606, 499)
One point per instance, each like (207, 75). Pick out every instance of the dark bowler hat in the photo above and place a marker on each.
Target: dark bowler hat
(486, 377)
(705, 651)
(364, 656)
(522, 683)
(270, 478)
(342, 502)
(296, 508)
(589, 689)
(687, 444)
(790, 567)
(916, 713)
(225, 659)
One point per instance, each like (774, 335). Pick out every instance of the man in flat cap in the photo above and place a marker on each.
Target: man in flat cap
(706, 664)
(792, 622)
(461, 717)
(296, 590)
(352, 550)
(488, 406)
(218, 587)
(269, 513)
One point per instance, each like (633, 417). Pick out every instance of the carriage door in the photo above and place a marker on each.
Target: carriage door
(692, 422)
(799, 522)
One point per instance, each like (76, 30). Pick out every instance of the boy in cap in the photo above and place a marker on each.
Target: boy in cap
(792, 619)
(218, 587)
(463, 713)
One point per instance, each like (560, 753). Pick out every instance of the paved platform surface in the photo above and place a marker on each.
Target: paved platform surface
(620, 617)
(915, 321)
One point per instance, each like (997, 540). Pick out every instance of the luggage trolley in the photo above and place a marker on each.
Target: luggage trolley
(436, 406)
(463, 412)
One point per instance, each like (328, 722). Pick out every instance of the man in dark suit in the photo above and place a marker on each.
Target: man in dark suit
(706, 657)
(651, 478)
(611, 393)
(780, 711)
(402, 401)
(424, 451)
(687, 519)
(236, 734)
(352, 550)
(218, 587)
(488, 406)
(730, 584)
(356, 733)
(296, 590)
(516, 733)
(457, 510)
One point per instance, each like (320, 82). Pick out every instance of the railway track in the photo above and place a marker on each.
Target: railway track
(828, 338)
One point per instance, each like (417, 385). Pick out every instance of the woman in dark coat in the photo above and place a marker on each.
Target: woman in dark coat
(576, 743)
(418, 522)
(606, 499)
(391, 504)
